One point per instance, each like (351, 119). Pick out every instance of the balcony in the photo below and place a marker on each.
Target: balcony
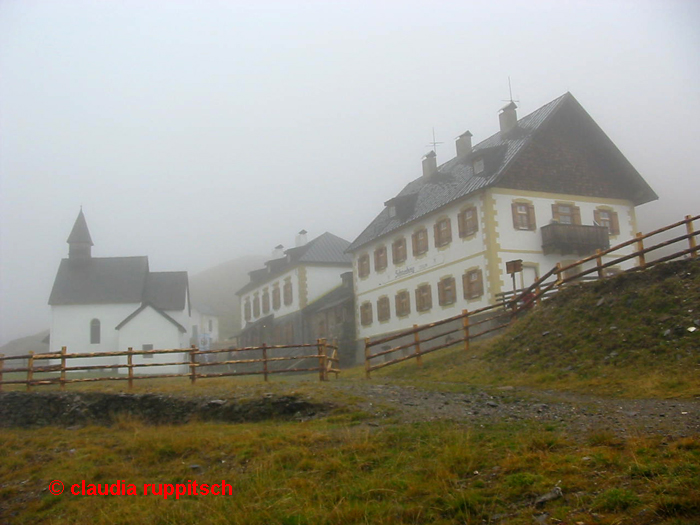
(574, 238)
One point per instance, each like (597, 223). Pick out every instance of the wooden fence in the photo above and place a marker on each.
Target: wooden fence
(321, 352)
(498, 316)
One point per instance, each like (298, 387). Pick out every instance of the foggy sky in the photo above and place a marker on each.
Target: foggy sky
(195, 132)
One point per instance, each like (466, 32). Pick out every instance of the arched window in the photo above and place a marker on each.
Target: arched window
(95, 332)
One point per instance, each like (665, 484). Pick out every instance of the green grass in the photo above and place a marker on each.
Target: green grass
(342, 471)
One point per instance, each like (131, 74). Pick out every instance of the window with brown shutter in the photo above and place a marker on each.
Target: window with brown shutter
(265, 301)
(473, 284)
(246, 309)
(383, 312)
(566, 213)
(420, 242)
(468, 222)
(276, 297)
(380, 259)
(256, 306)
(366, 314)
(363, 265)
(443, 232)
(424, 298)
(607, 218)
(446, 291)
(398, 250)
(403, 303)
(287, 292)
(523, 216)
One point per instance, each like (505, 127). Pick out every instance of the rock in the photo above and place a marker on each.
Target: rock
(600, 302)
(492, 404)
(667, 332)
(544, 334)
(553, 494)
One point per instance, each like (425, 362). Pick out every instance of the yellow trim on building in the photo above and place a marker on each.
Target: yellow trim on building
(554, 196)
(493, 261)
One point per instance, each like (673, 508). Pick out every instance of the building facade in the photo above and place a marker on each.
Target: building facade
(548, 188)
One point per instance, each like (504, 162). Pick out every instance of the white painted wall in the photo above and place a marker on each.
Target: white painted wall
(293, 274)
(322, 279)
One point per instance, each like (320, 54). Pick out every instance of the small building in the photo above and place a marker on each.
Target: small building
(548, 188)
(109, 304)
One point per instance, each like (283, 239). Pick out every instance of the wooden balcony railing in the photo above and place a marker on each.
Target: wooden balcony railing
(574, 238)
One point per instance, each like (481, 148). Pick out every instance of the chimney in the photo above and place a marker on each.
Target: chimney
(278, 252)
(508, 118)
(430, 164)
(464, 144)
(301, 238)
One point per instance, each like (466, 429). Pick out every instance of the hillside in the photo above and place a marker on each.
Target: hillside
(22, 346)
(215, 290)
(637, 334)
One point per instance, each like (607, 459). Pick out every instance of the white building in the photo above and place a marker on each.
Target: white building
(274, 301)
(109, 304)
(548, 188)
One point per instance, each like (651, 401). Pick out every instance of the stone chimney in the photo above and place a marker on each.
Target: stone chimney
(430, 164)
(464, 144)
(301, 238)
(278, 252)
(508, 118)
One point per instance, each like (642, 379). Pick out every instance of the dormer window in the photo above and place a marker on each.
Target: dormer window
(478, 166)
(392, 211)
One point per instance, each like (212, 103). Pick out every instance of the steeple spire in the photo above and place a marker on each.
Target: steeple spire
(79, 241)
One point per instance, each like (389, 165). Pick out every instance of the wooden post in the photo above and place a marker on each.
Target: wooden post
(691, 240)
(30, 371)
(264, 355)
(193, 365)
(599, 262)
(325, 359)
(416, 340)
(130, 364)
(538, 297)
(2, 365)
(558, 272)
(319, 346)
(367, 357)
(63, 367)
(640, 247)
(465, 327)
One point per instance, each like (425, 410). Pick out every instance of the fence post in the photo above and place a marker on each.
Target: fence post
(599, 263)
(130, 364)
(640, 247)
(63, 367)
(465, 327)
(325, 359)
(691, 240)
(264, 354)
(336, 355)
(538, 295)
(2, 365)
(30, 371)
(193, 365)
(416, 342)
(558, 272)
(367, 366)
(319, 347)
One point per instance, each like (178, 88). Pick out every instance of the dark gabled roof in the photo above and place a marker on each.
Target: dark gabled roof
(456, 179)
(80, 233)
(324, 249)
(100, 281)
(141, 308)
(166, 290)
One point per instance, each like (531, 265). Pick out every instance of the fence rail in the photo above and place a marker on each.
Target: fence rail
(323, 354)
(510, 304)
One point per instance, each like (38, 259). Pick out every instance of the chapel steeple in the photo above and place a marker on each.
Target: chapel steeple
(79, 241)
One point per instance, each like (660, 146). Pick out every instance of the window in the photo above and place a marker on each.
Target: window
(256, 305)
(473, 284)
(287, 292)
(523, 216)
(403, 303)
(468, 222)
(443, 232)
(478, 166)
(398, 250)
(447, 293)
(276, 297)
(266, 301)
(566, 214)
(380, 259)
(383, 312)
(420, 242)
(147, 347)
(363, 265)
(607, 218)
(247, 308)
(366, 314)
(95, 332)
(424, 298)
